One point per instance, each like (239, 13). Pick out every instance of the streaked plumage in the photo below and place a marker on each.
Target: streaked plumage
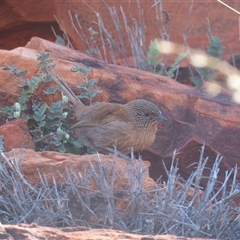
(104, 125)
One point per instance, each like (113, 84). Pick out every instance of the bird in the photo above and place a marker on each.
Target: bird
(103, 126)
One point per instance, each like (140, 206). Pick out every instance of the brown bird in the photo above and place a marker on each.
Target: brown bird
(104, 125)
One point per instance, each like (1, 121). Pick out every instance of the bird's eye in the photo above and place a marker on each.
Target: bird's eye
(146, 114)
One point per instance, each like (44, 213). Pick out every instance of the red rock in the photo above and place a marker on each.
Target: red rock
(175, 21)
(194, 116)
(53, 165)
(21, 20)
(16, 135)
(32, 232)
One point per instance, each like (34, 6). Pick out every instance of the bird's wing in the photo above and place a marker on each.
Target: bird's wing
(100, 114)
(84, 124)
(104, 135)
(103, 125)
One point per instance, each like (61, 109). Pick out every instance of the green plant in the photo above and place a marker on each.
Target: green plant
(156, 64)
(215, 49)
(131, 38)
(88, 92)
(49, 124)
(28, 87)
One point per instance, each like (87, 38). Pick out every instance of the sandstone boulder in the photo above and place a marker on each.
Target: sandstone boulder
(33, 231)
(16, 135)
(178, 19)
(22, 20)
(194, 116)
(53, 165)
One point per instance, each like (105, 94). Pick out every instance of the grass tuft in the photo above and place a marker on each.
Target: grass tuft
(177, 206)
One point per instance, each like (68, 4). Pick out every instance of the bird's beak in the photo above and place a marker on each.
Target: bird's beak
(162, 117)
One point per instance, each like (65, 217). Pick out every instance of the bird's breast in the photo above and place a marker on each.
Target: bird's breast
(144, 137)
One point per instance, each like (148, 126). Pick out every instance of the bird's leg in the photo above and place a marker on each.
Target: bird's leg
(120, 154)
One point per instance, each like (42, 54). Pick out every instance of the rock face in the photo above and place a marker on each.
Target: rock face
(16, 135)
(32, 232)
(53, 165)
(22, 20)
(194, 117)
(178, 18)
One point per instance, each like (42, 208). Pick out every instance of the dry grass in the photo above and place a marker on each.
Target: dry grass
(166, 209)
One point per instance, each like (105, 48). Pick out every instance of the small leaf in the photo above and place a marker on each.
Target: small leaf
(22, 100)
(55, 107)
(215, 48)
(35, 106)
(153, 51)
(40, 115)
(175, 65)
(60, 41)
(11, 68)
(92, 51)
(20, 73)
(82, 69)
(160, 72)
(55, 110)
(43, 56)
(50, 90)
(89, 84)
(52, 123)
(41, 124)
(82, 86)
(8, 110)
(197, 81)
(77, 143)
(75, 68)
(153, 63)
(33, 84)
(23, 83)
(47, 78)
(43, 71)
(89, 95)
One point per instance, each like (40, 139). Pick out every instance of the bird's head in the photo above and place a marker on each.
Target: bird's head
(144, 113)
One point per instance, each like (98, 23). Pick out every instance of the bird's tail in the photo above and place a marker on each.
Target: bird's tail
(67, 91)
